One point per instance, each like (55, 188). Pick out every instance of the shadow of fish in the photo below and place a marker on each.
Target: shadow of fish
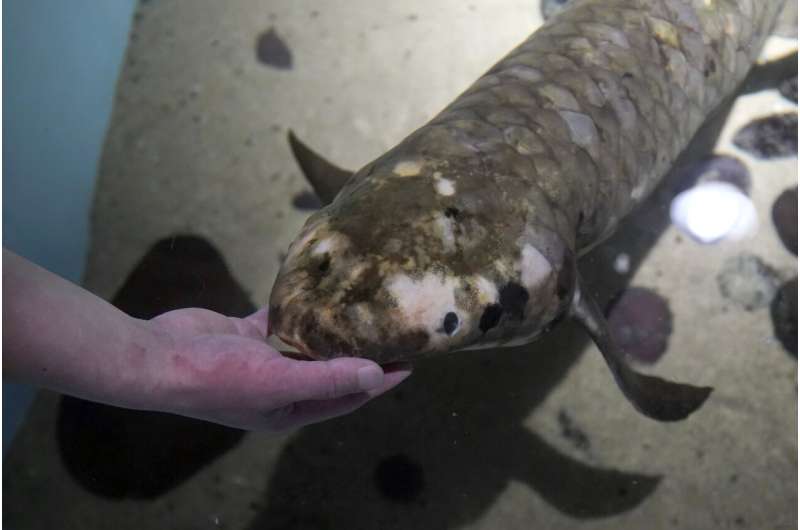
(466, 235)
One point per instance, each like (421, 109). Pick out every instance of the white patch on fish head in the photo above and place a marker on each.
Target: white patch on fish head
(326, 245)
(425, 304)
(299, 244)
(445, 228)
(443, 186)
(534, 267)
(408, 168)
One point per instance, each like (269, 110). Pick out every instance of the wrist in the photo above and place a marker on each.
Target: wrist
(143, 373)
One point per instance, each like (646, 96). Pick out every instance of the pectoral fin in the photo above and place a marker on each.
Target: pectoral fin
(325, 178)
(652, 396)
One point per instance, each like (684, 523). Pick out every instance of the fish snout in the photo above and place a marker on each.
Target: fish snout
(305, 324)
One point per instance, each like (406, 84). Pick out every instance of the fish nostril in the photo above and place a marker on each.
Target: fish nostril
(450, 323)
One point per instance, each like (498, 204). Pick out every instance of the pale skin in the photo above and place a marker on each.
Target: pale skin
(191, 362)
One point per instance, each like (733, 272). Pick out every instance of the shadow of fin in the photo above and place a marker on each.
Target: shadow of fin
(580, 490)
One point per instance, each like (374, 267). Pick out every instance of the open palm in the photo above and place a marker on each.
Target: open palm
(221, 369)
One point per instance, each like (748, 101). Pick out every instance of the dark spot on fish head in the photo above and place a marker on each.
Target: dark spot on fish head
(450, 324)
(272, 51)
(783, 311)
(399, 478)
(490, 317)
(784, 215)
(324, 265)
(771, 137)
(640, 322)
(452, 213)
(513, 299)
(408, 343)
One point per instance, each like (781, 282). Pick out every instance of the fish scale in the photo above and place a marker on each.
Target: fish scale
(466, 234)
(663, 104)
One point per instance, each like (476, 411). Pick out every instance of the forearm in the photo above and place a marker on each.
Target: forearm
(59, 336)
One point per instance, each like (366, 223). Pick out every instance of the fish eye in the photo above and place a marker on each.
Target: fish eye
(450, 323)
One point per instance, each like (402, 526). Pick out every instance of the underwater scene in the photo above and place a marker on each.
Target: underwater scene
(565, 230)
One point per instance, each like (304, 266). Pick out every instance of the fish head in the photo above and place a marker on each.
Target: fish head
(421, 274)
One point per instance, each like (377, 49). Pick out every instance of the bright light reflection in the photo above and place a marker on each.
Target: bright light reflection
(713, 211)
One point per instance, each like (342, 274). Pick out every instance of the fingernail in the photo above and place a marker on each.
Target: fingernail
(370, 377)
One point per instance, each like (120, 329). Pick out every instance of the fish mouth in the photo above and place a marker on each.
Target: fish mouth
(300, 326)
(305, 330)
(282, 326)
(302, 353)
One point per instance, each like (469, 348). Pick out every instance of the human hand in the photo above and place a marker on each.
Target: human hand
(220, 369)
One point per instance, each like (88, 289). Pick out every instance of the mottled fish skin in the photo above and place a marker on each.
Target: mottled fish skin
(465, 234)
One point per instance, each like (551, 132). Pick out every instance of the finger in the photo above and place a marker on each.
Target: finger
(392, 376)
(313, 411)
(253, 326)
(304, 380)
(260, 322)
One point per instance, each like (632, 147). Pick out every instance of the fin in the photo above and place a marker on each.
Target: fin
(325, 178)
(764, 76)
(652, 396)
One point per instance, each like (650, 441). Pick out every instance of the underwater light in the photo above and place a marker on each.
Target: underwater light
(713, 211)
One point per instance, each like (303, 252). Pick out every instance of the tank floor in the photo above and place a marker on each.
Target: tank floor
(532, 437)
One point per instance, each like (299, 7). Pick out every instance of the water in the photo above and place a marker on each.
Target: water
(197, 199)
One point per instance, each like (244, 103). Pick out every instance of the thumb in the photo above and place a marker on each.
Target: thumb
(304, 380)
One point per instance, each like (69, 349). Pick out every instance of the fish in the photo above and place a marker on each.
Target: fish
(466, 234)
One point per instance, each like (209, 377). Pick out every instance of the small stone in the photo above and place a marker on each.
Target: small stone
(640, 322)
(749, 282)
(272, 51)
(771, 137)
(784, 215)
(783, 311)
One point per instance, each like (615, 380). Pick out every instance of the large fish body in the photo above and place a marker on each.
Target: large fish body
(465, 235)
